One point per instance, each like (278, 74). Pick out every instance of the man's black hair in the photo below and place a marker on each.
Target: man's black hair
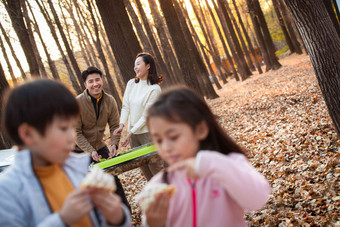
(90, 70)
(37, 103)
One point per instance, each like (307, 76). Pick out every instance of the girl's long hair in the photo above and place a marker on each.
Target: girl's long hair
(181, 104)
(153, 77)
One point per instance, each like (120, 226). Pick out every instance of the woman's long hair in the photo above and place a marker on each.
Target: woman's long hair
(153, 77)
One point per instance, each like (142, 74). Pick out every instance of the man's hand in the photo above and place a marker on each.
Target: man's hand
(113, 151)
(118, 130)
(188, 165)
(126, 140)
(76, 206)
(109, 205)
(95, 156)
(157, 212)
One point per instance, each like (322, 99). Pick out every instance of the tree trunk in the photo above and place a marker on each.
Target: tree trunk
(242, 67)
(225, 30)
(67, 46)
(112, 86)
(266, 35)
(51, 63)
(322, 45)
(139, 28)
(32, 40)
(23, 75)
(212, 48)
(73, 80)
(93, 55)
(201, 71)
(283, 26)
(259, 35)
(9, 66)
(123, 40)
(4, 142)
(243, 44)
(168, 52)
(168, 77)
(14, 11)
(250, 45)
(289, 23)
(332, 15)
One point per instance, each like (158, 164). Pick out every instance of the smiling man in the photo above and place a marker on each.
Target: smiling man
(97, 110)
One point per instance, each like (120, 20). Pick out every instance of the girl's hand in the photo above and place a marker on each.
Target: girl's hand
(188, 165)
(157, 212)
(109, 205)
(118, 130)
(76, 206)
(126, 140)
(95, 156)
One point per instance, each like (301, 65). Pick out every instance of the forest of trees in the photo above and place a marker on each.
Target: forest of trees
(194, 42)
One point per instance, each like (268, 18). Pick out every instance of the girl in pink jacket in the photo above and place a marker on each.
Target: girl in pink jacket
(213, 179)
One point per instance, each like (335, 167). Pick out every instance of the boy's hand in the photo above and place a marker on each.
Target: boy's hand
(157, 212)
(76, 206)
(95, 156)
(188, 165)
(109, 205)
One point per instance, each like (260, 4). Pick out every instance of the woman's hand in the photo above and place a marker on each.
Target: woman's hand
(118, 130)
(157, 212)
(188, 165)
(126, 140)
(113, 151)
(95, 156)
(110, 205)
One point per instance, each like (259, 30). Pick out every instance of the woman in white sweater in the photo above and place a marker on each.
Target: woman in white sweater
(140, 94)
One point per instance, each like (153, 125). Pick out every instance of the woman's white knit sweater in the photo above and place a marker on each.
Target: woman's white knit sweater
(138, 97)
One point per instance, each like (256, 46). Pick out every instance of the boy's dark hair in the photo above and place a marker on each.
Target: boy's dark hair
(181, 104)
(36, 103)
(153, 77)
(90, 70)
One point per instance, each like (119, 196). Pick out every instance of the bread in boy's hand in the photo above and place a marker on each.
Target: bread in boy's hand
(97, 178)
(148, 195)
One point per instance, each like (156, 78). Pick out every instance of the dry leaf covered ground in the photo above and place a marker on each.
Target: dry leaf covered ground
(281, 119)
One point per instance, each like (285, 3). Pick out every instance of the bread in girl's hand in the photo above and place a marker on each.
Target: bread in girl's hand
(148, 195)
(98, 179)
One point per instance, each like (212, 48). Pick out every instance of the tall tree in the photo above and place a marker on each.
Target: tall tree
(266, 35)
(139, 28)
(238, 32)
(283, 26)
(250, 45)
(196, 62)
(13, 8)
(123, 40)
(329, 4)
(209, 39)
(4, 142)
(66, 44)
(290, 26)
(9, 66)
(168, 52)
(9, 43)
(112, 86)
(42, 69)
(51, 63)
(159, 58)
(322, 45)
(48, 20)
(242, 67)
